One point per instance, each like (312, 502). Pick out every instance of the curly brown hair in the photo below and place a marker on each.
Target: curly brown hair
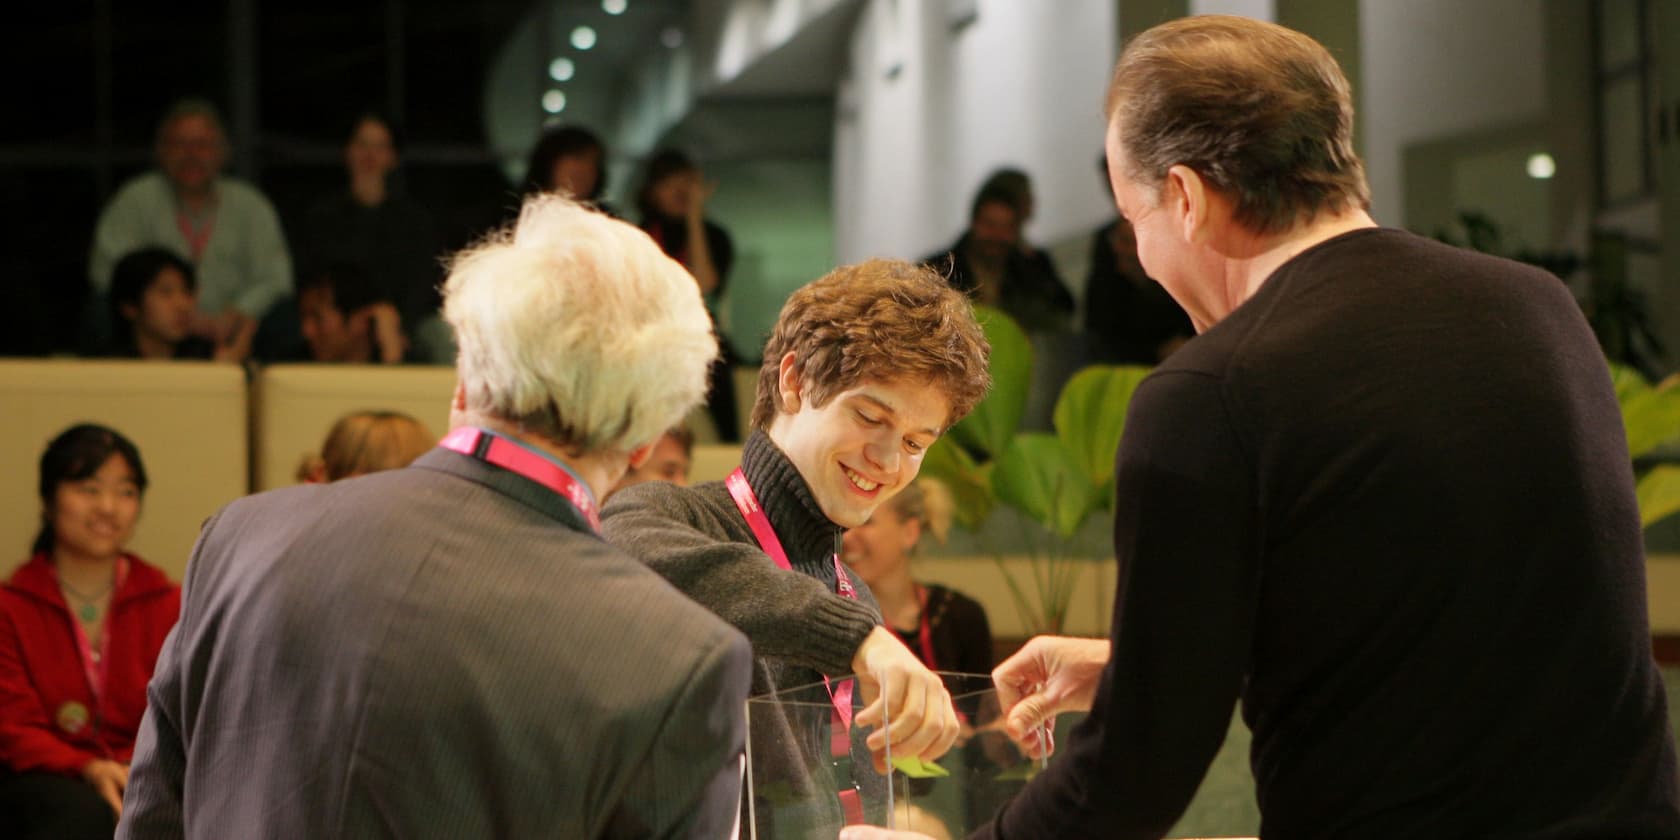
(1260, 111)
(880, 320)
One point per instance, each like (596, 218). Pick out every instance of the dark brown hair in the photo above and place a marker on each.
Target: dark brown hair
(1263, 113)
(880, 320)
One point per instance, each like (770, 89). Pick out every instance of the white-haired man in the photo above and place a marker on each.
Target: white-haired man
(450, 650)
(1383, 498)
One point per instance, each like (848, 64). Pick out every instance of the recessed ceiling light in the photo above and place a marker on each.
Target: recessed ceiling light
(554, 101)
(614, 7)
(583, 37)
(561, 69)
(1541, 166)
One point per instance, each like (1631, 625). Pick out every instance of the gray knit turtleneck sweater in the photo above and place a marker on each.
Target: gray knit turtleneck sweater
(697, 539)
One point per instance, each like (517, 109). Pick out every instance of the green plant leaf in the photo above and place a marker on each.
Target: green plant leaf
(1628, 382)
(1091, 414)
(1040, 477)
(970, 484)
(1652, 418)
(1659, 494)
(993, 422)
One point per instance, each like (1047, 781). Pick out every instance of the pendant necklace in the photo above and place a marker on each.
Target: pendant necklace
(88, 612)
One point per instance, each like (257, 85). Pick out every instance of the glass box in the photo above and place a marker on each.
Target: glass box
(809, 772)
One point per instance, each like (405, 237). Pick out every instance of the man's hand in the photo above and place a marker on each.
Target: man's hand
(1050, 675)
(382, 322)
(110, 779)
(923, 722)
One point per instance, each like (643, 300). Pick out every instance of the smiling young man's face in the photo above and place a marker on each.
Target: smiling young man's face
(861, 447)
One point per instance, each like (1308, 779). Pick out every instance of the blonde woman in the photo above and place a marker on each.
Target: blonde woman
(364, 442)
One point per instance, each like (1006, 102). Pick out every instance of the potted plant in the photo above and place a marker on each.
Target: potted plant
(1651, 416)
(1052, 482)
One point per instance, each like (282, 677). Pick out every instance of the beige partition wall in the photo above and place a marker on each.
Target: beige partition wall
(187, 418)
(295, 406)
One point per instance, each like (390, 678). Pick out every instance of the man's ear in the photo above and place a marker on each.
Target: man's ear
(789, 388)
(641, 454)
(458, 402)
(1186, 197)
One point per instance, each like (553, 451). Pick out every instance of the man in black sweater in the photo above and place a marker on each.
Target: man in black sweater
(1384, 499)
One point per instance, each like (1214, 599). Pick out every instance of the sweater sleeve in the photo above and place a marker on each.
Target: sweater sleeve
(784, 614)
(28, 741)
(1186, 535)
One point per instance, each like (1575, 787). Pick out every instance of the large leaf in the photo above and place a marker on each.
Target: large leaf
(988, 429)
(1659, 494)
(1091, 414)
(970, 484)
(1037, 475)
(1628, 382)
(1652, 418)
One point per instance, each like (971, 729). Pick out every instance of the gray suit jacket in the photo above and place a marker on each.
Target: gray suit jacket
(438, 651)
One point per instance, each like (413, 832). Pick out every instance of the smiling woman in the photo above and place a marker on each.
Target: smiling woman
(81, 623)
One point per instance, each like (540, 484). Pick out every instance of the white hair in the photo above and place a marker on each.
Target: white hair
(576, 326)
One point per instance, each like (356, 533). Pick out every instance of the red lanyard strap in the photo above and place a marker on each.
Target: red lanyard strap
(925, 630)
(747, 502)
(504, 453)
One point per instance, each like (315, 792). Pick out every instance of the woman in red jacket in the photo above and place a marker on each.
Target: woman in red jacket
(81, 624)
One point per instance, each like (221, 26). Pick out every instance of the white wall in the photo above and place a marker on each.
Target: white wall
(1440, 68)
(1018, 86)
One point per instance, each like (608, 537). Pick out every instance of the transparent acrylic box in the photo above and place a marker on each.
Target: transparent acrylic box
(808, 774)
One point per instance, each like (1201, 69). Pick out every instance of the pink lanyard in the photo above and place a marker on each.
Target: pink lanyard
(95, 667)
(197, 236)
(767, 540)
(925, 631)
(511, 456)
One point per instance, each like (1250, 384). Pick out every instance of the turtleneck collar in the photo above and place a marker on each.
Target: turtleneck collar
(807, 535)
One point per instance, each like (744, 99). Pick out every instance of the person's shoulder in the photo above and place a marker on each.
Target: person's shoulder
(145, 188)
(665, 498)
(242, 193)
(143, 577)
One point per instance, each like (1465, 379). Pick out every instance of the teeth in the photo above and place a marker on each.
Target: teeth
(860, 482)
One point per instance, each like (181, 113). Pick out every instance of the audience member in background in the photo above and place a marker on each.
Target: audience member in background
(343, 320)
(1130, 319)
(988, 263)
(153, 297)
(946, 629)
(672, 455)
(672, 202)
(570, 161)
(865, 369)
(449, 649)
(223, 226)
(373, 226)
(81, 624)
(365, 442)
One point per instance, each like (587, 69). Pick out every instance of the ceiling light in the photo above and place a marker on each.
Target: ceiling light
(583, 37)
(554, 101)
(561, 69)
(1541, 166)
(614, 7)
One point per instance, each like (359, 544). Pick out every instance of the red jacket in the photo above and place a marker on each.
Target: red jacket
(49, 719)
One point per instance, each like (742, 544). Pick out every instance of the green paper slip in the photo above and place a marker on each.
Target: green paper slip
(916, 768)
